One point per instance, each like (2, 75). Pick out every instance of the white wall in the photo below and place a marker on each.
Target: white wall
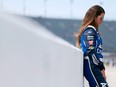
(31, 56)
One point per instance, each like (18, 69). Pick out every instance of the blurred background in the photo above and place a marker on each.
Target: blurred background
(64, 17)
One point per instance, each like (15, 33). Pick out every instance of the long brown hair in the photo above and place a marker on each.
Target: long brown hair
(89, 19)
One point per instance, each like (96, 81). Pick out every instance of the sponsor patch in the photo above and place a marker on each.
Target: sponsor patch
(90, 42)
(90, 37)
(103, 84)
(91, 47)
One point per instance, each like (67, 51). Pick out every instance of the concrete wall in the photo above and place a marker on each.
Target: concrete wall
(31, 56)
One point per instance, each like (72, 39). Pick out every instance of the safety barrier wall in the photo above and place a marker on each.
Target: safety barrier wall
(31, 56)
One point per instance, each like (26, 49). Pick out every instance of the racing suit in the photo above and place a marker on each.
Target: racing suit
(91, 45)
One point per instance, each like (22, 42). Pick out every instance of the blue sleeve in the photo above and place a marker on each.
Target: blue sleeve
(90, 41)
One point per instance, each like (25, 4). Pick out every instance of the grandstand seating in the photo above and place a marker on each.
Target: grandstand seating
(65, 28)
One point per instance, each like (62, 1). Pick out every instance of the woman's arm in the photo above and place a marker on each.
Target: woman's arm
(103, 73)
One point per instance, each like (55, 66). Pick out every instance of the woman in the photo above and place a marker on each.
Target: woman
(90, 42)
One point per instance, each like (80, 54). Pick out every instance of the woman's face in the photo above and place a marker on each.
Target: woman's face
(99, 19)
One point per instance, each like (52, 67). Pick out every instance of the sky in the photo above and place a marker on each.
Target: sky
(71, 9)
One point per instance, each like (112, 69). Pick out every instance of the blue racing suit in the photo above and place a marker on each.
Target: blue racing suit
(91, 45)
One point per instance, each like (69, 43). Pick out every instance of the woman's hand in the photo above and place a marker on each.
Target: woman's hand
(103, 73)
